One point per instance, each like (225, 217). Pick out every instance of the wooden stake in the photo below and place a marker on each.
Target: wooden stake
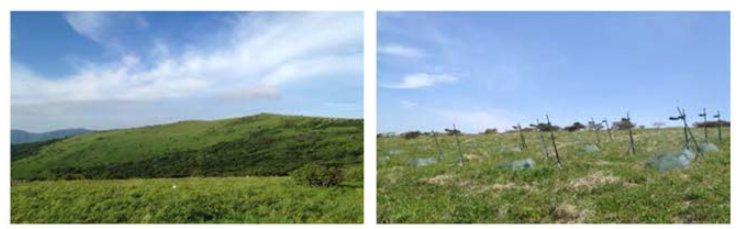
(719, 127)
(439, 150)
(632, 140)
(593, 128)
(608, 130)
(544, 144)
(687, 135)
(521, 135)
(460, 159)
(554, 145)
(691, 135)
(706, 134)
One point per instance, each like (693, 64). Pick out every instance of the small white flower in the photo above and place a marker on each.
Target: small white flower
(174, 186)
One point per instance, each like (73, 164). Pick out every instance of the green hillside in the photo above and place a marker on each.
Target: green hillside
(264, 144)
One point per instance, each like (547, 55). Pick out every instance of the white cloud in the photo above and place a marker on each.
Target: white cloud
(103, 27)
(401, 51)
(266, 92)
(261, 52)
(420, 80)
(407, 104)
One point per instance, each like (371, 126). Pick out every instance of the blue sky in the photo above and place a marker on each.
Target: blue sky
(493, 69)
(104, 70)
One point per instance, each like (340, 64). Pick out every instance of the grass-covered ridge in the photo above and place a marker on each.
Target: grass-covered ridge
(264, 144)
(610, 186)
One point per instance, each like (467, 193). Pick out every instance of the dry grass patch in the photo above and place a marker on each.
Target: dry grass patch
(567, 213)
(592, 181)
(440, 179)
(473, 157)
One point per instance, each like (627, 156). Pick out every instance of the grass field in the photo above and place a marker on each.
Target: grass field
(609, 186)
(234, 170)
(186, 200)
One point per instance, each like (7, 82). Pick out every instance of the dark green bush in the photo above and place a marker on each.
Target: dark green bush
(317, 175)
(411, 135)
(73, 176)
(354, 174)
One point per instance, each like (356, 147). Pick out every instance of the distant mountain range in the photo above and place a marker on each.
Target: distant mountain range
(22, 136)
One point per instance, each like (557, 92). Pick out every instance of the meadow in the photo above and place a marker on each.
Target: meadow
(185, 200)
(610, 185)
(236, 170)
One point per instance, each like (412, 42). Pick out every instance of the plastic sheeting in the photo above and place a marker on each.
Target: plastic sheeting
(590, 148)
(394, 151)
(670, 161)
(421, 162)
(708, 147)
(512, 149)
(527, 163)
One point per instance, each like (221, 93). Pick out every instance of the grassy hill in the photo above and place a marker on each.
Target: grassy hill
(264, 144)
(606, 186)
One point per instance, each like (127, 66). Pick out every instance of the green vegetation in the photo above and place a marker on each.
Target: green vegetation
(260, 145)
(316, 175)
(186, 200)
(98, 177)
(606, 186)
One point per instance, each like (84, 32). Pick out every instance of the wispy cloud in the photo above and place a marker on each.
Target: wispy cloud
(260, 54)
(407, 104)
(267, 92)
(420, 80)
(104, 27)
(401, 51)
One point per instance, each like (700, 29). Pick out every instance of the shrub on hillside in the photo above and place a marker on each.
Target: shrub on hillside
(709, 124)
(576, 126)
(317, 175)
(623, 125)
(411, 135)
(545, 127)
(73, 176)
(491, 131)
(453, 132)
(354, 174)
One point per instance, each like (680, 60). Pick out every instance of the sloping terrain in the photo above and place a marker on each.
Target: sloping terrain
(264, 144)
